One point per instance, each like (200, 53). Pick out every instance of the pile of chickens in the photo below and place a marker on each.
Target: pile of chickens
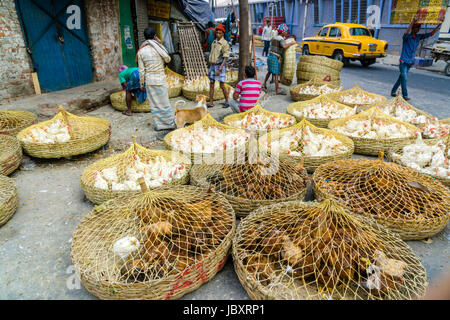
(323, 247)
(56, 131)
(435, 129)
(403, 112)
(156, 172)
(207, 140)
(324, 110)
(200, 84)
(316, 90)
(175, 236)
(252, 121)
(375, 129)
(430, 159)
(359, 98)
(297, 142)
(173, 81)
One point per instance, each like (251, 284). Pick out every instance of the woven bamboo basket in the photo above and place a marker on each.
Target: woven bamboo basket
(174, 88)
(218, 94)
(306, 76)
(122, 162)
(157, 245)
(411, 204)
(251, 184)
(372, 147)
(321, 251)
(317, 68)
(12, 122)
(232, 78)
(11, 154)
(446, 121)
(118, 102)
(294, 90)
(310, 162)
(87, 134)
(435, 129)
(398, 102)
(257, 110)
(298, 107)
(227, 155)
(8, 199)
(374, 98)
(396, 152)
(335, 83)
(323, 61)
(289, 57)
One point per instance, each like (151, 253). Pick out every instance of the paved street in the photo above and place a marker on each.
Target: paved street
(35, 244)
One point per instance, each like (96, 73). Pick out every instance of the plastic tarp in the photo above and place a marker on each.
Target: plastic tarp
(198, 11)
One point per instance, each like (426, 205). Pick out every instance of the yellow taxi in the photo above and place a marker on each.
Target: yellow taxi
(345, 42)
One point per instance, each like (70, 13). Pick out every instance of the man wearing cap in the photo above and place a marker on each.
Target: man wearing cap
(277, 44)
(407, 58)
(220, 51)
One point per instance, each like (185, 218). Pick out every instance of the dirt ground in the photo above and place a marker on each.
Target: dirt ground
(35, 244)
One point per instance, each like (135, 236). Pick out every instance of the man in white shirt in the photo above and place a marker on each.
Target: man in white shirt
(266, 37)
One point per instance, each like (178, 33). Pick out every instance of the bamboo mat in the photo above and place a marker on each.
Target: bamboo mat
(194, 62)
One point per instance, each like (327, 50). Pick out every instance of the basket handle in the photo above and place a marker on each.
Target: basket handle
(144, 187)
(134, 144)
(381, 156)
(64, 115)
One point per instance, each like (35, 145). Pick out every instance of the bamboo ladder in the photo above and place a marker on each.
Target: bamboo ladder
(194, 62)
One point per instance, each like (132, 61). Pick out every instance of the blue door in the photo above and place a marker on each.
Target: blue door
(57, 40)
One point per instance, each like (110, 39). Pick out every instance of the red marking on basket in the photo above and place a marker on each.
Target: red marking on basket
(176, 287)
(4, 132)
(221, 263)
(327, 78)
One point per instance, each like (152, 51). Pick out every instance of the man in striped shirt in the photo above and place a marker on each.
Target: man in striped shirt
(249, 89)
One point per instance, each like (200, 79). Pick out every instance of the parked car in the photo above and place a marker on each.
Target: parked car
(345, 42)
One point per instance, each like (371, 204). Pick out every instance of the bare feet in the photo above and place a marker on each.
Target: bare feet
(127, 112)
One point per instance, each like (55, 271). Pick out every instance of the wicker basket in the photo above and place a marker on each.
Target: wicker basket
(258, 110)
(225, 155)
(118, 102)
(372, 147)
(218, 94)
(338, 96)
(323, 61)
(11, 154)
(411, 204)
(310, 163)
(121, 162)
(288, 63)
(306, 76)
(12, 122)
(399, 150)
(87, 134)
(319, 122)
(174, 90)
(335, 83)
(282, 252)
(232, 78)
(291, 178)
(317, 68)
(8, 199)
(179, 237)
(294, 90)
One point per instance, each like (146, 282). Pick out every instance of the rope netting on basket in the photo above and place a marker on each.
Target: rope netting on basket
(373, 131)
(12, 122)
(435, 129)
(208, 139)
(118, 101)
(118, 175)
(10, 155)
(193, 87)
(304, 140)
(312, 89)
(8, 199)
(357, 97)
(320, 110)
(259, 120)
(413, 205)
(289, 57)
(160, 244)
(320, 251)
(65, 135)
(431, 157)
(174, 82)
(254, 182)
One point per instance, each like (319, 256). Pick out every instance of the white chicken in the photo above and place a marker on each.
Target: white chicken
(253, 121)
(56, 131)
(402, 112)
(328, 110)
(126, 246)
(374, 129)
(317, 90)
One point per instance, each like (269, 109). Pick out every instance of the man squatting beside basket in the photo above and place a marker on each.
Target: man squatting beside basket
(151, 57)
(407, 58)
(129, 79)
(277, 44)
(220, 51)
(248, 89)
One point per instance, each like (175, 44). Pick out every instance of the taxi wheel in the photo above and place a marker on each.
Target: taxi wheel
(447, 69)
(339, 56)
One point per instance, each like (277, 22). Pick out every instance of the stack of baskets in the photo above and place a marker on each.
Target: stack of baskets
(258, 41)
(121, 162)
(8, 199)
(86, 134)
(11, 154)
(12, 122)
(322, 87)
(319, 67)
(288, 63)
(175, 82)
(160, 244)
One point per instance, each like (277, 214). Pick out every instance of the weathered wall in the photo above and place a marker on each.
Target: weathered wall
(103, 24)
(15, 71)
